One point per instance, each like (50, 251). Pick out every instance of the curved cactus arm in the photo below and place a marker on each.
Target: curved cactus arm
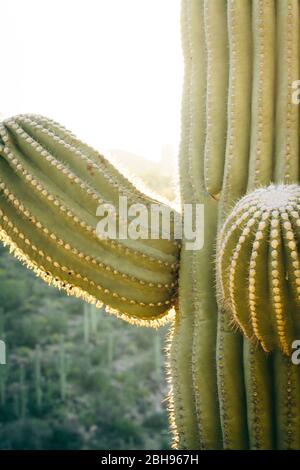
(51, 185)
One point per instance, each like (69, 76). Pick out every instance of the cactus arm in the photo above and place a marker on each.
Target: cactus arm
(31, 140)
(15, 191)
(215, 21)
(52, 185)
(287, 113)
(54, 136)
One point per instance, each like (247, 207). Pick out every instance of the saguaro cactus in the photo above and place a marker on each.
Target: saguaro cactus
(236, 301)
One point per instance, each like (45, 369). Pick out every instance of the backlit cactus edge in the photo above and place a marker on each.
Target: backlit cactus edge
(234, 304)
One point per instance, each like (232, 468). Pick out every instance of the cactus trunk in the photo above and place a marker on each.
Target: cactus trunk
(241, 59)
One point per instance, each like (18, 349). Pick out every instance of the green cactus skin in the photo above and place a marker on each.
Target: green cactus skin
(264, 388)
(234, 304)
(52, 185)
(261, 236)
(258, 393)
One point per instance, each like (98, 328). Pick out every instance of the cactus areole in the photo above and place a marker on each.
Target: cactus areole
(234, 304)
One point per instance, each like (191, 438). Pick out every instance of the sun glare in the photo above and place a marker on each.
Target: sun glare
(110, 70)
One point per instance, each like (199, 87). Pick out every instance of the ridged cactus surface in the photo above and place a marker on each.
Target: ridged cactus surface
(232, 382)
(240, 133)
(52, 185)
(258, 264)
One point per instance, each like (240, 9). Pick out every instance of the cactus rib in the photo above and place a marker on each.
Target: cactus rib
(262, 113)
(287, 114)
(215, 23)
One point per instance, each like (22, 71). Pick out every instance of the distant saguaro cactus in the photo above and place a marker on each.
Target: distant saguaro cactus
(236, 301)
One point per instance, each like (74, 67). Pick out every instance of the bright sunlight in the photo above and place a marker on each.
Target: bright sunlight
(110, 70)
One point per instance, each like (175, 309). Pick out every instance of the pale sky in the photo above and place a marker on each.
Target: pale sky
(110, 70)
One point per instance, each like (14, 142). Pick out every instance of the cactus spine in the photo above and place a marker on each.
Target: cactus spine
(240, 133)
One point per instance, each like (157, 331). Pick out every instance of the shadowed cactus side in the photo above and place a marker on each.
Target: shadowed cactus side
(238, 296)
